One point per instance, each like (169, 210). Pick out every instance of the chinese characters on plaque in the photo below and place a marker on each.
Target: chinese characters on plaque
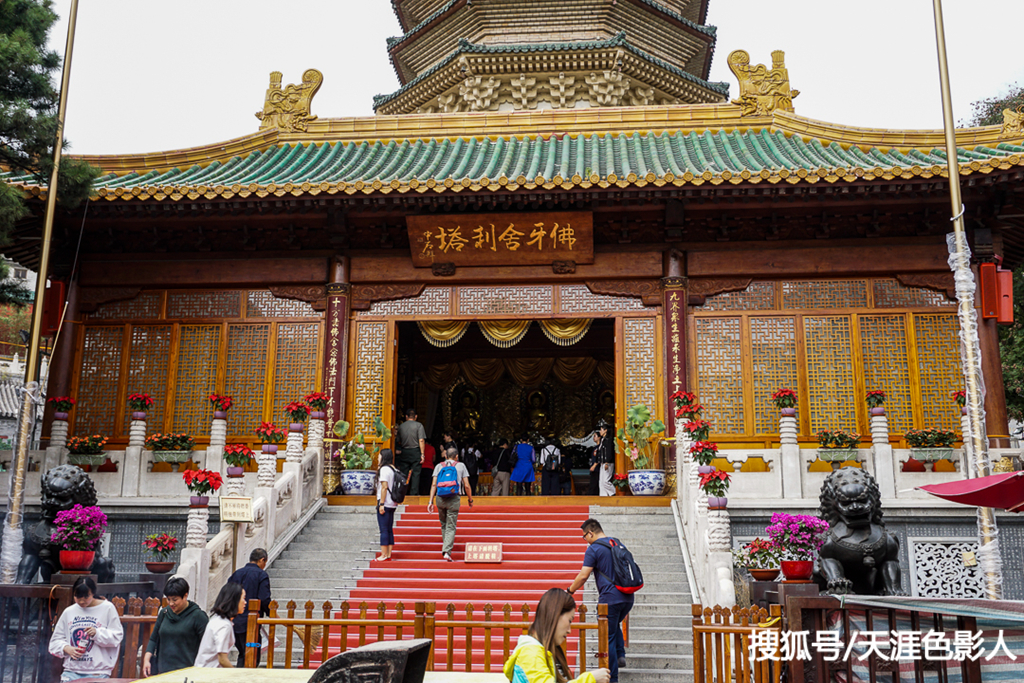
(676, 360)
(483, 552)
(501, 238)
(235, 509)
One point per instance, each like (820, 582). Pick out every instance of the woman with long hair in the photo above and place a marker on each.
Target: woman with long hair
(538, 657)
(219, 637)
(386, 506)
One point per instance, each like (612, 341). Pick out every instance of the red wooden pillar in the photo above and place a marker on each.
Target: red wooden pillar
(336, 346)
(62, 358)
(673, 287)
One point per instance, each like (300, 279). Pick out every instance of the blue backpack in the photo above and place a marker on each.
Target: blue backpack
(448, 482)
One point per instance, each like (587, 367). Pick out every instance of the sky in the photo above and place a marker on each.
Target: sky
(158, 76)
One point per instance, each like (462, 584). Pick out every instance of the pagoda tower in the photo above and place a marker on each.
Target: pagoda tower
(511, 55)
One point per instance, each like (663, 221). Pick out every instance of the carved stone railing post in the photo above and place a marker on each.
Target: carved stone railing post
(790, 447)
(293, 450)
(317, 428)
(59, 431)
(719, 575)
(235, 485)
(719, 531)
(881, 453)
(267, 460)
(137, 429)
(219, 428)
(198, 525)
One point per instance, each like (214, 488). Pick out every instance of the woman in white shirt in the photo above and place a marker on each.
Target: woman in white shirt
(219, 637)
(87, 635)
(386, 505)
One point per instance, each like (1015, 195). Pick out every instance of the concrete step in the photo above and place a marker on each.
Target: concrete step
(673, 647)
(655, 675)
(640, 661)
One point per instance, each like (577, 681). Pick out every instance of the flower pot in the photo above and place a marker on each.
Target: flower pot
(622, 492)
(138, 415)
(76, 560)
(647, 482)
(931, 454)
(787, 412)
(963, 410)
(359, 482)
(87, 458)
(159, 567)
(764, 574)
(880, 410)
(198, 501)
(705, 469)
(837, 454)
(236, 471)
(60, 415)
(171, 456)
(295, 427)
(220, 415)
(270, 448)
(798, 570)
(717, 503)
(317, 415)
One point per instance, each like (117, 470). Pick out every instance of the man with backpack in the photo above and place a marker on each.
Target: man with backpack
(618, 577)
(450, 480)
(550, 460)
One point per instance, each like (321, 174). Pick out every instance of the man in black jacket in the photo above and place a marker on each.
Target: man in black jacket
(256, 582)
(502, 469)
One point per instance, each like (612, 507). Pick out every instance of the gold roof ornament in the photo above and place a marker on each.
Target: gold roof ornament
(288, 109)
(1013, 121)
(762, 90)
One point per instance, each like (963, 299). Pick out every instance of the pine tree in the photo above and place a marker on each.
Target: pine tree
(28, 112)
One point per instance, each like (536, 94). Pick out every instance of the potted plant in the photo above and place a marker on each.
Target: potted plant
(689, 411)
(960, 397)
(930, 445)
(715, 484)
(876, 401)
(298, 412)
(640, 436)
(200, 483)
(703, 452)
(87, 450)
(317, 403)
(139, 404)
(785, 400)
(699, 430)
(271, 435)
(356, 457)
(621, 483)
(237, 455)
(160, 546)
(759, 557)
(837, 445)
(800, 537)
(78, 531)
(62, 405)
(170, 447)
(221, 404)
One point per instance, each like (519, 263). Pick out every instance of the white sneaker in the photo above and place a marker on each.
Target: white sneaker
(447, 557)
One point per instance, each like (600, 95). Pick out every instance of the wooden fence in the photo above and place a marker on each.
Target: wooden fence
(138, 616)
(721, 644)
(314, 633)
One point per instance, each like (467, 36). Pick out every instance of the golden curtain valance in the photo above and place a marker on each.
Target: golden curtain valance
(529, 372)
(439, 376)
(483, 372)
(504, 333)
(606, 370)
(565, 332)
(574, 372)
(443, 333)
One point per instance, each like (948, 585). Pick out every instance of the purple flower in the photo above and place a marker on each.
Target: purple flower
(79, 528)
(800, 536)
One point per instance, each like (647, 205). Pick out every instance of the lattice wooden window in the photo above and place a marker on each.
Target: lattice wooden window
(938, 362)
(204, 305)
(773, 357)
(148, 370)
(638, 351)
(98, 380)
(892, 294)
(824, 294)
(263, 304)
(829, 350)
(245, 375)
(886, 365)
(720, 373)
(759, 296)
(145, 306)
(296, 363)
(198, 353)
(370, 349)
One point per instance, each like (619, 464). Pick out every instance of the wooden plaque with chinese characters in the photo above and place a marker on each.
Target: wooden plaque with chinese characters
(235, 509)
(483, 552)
(501, 239)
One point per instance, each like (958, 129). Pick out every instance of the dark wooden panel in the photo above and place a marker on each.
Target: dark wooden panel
(831, 260)
(192, 273)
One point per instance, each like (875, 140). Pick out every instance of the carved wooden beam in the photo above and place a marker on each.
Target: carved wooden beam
(937, 282)
(90, 298)
(364, 295)
(312, 294)
(648, 291)
(699, 290)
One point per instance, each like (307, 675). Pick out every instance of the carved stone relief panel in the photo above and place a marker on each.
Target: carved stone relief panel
(938, 571)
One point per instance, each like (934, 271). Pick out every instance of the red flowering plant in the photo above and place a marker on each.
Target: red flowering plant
(170, 442)
(621, 481)
(140, 402)
(875, 398)
(758, 554)
(219, 402)
(79, 528)
(238, 455)
(316, 400)
(297, 411)
(683, 398)
(784, 398)
(690, 411)
(838, 438)
(799, 537)
(87, 445)
(62, 404)
(270, 433)
(715, 483)
(698, 429)
(703, 452)
(201, 482)
(160, 545)
(959, 396)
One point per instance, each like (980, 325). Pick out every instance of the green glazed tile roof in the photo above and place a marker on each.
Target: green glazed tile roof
(565, 161)
(619, 40)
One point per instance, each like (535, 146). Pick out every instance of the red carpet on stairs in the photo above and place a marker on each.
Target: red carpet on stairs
(542, 547)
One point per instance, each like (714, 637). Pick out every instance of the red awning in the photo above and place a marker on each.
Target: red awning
(1000, 491)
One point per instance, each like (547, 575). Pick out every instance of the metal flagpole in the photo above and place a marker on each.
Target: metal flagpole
(960, 262)
(10, 556)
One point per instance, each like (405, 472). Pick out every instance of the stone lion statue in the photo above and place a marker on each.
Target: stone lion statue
(63, 487)
(859, 555)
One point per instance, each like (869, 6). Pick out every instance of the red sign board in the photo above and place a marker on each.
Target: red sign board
(483, 552)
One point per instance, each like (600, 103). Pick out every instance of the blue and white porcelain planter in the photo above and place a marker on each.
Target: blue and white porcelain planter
(647, 482)
(358, 482)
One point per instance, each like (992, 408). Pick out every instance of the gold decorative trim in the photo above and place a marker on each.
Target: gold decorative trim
(365, 295)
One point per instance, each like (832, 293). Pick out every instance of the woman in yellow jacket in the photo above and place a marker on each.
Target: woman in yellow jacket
(538, 657)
